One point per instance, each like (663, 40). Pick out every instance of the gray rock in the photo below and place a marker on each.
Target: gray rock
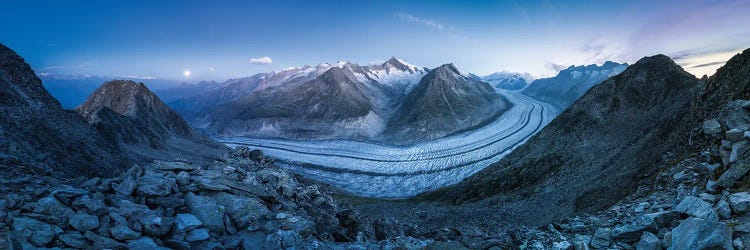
(126, 186)
(90, 205)
(123, 232)
(738, 244)
(197, 235)
(648, 241)
(696, 207)
(602, 238)
(38, 233)
(723, 210)
(711, 127)
(734, 135)
(244, 211)
(84, 222)
(746, 135)
(207, 211)
(144, 243)
(155, 185)
(66, 195)
(738, 149)
(183, 178)
(156, 226)
(52, 207)
(645, 223)
(187, 222)
(99, 242)
(283, 239)
(666, 242)
(734, 173)
(740, 202)
(74, 240)
(695, 233)
(174, 166)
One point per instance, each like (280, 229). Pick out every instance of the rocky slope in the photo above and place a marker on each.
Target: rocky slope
(130, 115)
(36, 131)
(572, 83)
(444, 102)
(608, 138)
(240, 202)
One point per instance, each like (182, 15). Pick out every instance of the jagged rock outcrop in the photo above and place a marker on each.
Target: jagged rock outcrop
(571, 83)
(36, 131)
(599, 149)
(130, 115)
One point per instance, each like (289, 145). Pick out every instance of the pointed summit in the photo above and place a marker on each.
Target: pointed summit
(398, 64)
(442, 103)
(133, 116)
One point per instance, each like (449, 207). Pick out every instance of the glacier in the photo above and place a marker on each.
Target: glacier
(378, 170)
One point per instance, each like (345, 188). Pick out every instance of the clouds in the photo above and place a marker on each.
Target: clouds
(261, 60)
(418, 20)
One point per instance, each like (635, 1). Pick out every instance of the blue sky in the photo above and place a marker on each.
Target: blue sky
(216, 40)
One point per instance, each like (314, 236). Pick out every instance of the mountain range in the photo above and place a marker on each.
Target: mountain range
(343, 101)
(650, 158)
(571, 83)
(508, 80)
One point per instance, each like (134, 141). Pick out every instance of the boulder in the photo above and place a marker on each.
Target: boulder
(75, 240)
(187, 222)
(84, 222)
(648, 241)
(602, 238)
(155, 184)
(183, 178)
(696, 207)
(740, 202)
(52, 207)
(734, 135)
(66, 195)
(712, 127)
(723, 209)
(734, 173)
(197, 235)
(126, 186)
(283, 239)
(738, 149)
(144, 243)
(99, 242)
(38, 233)
(633, 231)
(695, 233)
(244, 211)
(207, 211)
(123, 232)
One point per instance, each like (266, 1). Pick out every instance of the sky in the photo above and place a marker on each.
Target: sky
(217, 40)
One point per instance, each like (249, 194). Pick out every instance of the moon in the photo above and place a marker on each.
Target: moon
(186, 73)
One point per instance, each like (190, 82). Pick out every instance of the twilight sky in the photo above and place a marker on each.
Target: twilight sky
(215, 40)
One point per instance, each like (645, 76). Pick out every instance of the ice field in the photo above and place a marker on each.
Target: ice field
(372, 169)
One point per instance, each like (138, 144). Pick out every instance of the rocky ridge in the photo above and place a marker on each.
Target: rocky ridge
(132, 116)
(36, 131)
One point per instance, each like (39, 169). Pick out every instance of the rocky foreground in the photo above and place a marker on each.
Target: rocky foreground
(240, 202)
(701, 202)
